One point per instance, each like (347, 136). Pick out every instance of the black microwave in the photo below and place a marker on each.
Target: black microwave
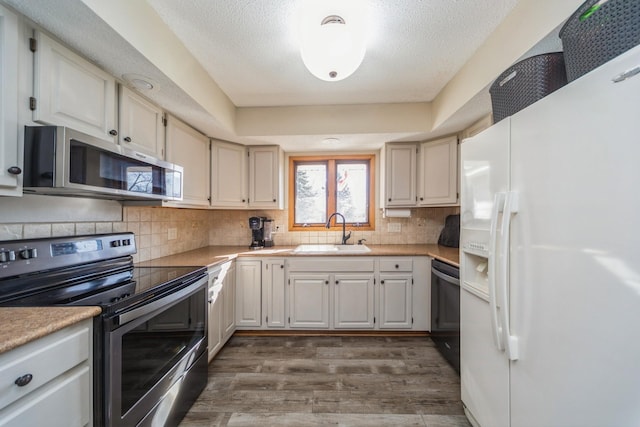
(62, 161)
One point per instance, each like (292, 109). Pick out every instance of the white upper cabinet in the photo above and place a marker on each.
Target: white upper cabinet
(265, 177)
(400, 175)
(10, 143)
(228, 175)
(140, 124)
(70, 91)
(190, 149)
(246, 177)
(438, 172)
(424, 174)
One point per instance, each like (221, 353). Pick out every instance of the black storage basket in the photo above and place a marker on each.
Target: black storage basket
(597, 32)
(526, 82)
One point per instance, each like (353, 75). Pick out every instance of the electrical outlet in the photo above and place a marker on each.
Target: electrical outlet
(172, 233)
(394, 227)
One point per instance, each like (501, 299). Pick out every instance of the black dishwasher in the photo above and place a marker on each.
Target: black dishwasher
(445, 311)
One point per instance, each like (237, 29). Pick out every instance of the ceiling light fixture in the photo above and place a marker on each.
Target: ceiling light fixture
(140, 83)
(332, 48)
(331, 141)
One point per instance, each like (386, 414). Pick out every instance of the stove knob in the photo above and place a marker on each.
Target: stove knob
(12, 255)
(115, 243)
(4, 256)
(28, 253)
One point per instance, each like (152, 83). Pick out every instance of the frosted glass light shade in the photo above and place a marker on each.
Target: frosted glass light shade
(332, 51)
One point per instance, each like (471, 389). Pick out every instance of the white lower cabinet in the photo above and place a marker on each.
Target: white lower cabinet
(353, 301)
(273, 293)
(309, 300)
(331, 293)
(215, 302)
(221, 306)
(60, 392)
(229, 301)
(248, 293)
(396, 298)
(388, 293)
(396, 292)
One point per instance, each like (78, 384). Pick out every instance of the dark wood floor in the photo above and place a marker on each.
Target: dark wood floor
(339, 381)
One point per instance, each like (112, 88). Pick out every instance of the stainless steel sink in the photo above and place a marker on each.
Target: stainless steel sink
(331, 249)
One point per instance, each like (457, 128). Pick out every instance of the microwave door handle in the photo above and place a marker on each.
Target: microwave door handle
(498, 206)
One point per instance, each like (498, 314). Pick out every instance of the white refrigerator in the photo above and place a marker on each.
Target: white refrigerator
(550, 258)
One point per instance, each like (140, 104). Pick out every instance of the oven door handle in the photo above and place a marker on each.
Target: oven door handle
(446, 278)
(161, 303)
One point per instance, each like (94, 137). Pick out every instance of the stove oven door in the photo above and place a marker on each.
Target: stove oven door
(155, 358)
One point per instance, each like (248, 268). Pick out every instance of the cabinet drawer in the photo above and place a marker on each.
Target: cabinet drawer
(331, 264)
(396, 264)
(44, 359)
(65, 402)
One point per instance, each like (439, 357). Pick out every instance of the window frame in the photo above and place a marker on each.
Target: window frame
(331, 162)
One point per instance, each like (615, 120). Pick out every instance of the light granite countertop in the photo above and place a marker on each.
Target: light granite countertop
(21, 325)
(212, 255)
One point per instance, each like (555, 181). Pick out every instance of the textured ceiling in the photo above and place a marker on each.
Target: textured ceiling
(249, 49)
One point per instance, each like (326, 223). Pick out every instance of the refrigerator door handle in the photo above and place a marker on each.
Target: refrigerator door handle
(498, 206)
(510, 341)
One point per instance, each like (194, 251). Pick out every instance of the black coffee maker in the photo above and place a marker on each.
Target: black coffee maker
(261, 230)
(256, 224)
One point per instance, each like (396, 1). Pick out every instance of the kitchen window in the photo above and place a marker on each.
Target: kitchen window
(319, 186)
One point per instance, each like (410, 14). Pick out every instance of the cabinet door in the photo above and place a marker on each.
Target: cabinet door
(353, 304)
(438, 181)
(215, 310)
(395, 301)
(216, 298)
(273, 298)
(309, 300)
(400, 177)
(10, 144)
(63, 402)
(70, 91)
(264, 177)
(190, 149)
(229, 301)
(248, 293)
(141, 124)
(228, 175)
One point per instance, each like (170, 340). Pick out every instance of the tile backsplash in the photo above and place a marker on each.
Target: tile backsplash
(424, 226)
(196, 228)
